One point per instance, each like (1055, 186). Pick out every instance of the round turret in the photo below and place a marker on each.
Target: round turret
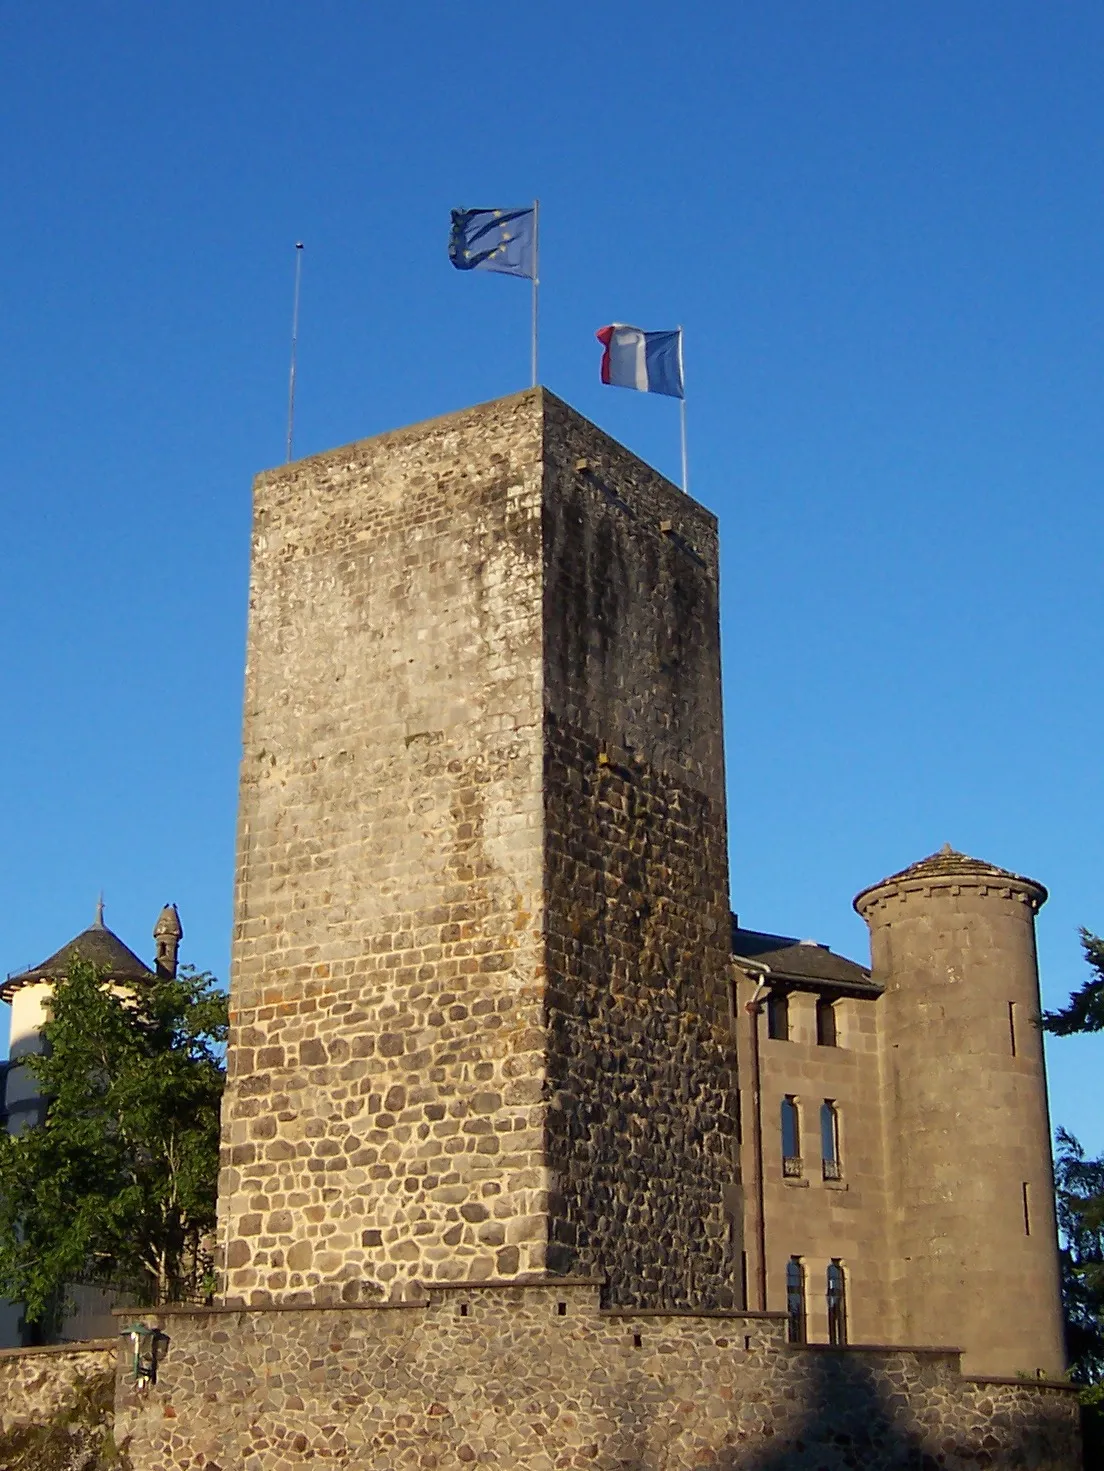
(971, 1187)
(167, 935)
(29, 993)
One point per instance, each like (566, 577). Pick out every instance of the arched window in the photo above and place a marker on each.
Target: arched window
(791, 1138)
(778, 1016)
(831, 1164)
(825, 1022)
(795, 1299)
(837, 1304)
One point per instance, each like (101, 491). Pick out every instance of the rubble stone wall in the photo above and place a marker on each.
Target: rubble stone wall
(479, 1000)
(36, 1382)
(642, 1063)
(382, 1119)
(537, 1377)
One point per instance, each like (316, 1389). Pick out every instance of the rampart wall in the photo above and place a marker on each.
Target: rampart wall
(539, 1376)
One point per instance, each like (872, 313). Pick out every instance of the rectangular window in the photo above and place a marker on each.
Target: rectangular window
(1012, 1026)
(837, 1304)
(795, 1300)
(825, 1022)
(1026, 1210)
(778, 1016)
(791, 1139)
(829, 1141)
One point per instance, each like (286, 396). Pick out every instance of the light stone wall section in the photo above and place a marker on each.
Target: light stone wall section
(37, 1382)
(539, 1377)
(382, 1119)
(811, 1217)
(967, 1112)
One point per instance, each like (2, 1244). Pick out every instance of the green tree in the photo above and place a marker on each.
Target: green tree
(118, 1184)
(1085, 1009)
(1080, 1189)
(1080, 1199)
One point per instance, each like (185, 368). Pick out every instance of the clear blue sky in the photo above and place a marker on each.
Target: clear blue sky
(882, 227)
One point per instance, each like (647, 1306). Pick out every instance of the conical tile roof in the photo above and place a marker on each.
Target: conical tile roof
(97, 945)
(948, 863)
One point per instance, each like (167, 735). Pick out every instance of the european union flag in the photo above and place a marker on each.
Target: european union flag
(502, 240)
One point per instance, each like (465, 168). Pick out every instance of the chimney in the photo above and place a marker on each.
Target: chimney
(167, 934)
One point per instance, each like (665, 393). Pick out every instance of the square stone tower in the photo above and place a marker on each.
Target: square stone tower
(480, 994)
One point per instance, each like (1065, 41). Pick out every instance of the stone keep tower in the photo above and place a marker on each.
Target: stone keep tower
(972, 1229)
(480, 1012)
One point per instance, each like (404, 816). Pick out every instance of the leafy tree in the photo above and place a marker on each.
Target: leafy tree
(118, 1184)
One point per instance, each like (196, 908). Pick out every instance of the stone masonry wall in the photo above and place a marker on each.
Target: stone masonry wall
(642, 1131)
(535, 1378)
(382, 1117)
(36, 1382)
(972, 1228)
(482, 747)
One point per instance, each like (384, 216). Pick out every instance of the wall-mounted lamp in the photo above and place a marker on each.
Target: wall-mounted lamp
(146, 1345)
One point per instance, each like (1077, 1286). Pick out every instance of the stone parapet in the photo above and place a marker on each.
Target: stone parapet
(539, 1375)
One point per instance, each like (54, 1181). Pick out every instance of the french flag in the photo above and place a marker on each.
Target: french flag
(648, 361)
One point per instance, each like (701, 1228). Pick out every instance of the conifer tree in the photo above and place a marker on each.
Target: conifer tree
(1085, 1010)
(117, 1185)
(1080, 1200)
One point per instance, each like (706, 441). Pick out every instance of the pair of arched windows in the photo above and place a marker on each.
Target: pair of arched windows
(792, 1163)
(835, 1286)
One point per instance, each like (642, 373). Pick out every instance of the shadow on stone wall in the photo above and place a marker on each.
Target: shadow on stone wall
(861, 1420)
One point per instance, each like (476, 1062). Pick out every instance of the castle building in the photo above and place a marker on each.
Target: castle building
(899, 1145)
(532, 1157)
(28, 994)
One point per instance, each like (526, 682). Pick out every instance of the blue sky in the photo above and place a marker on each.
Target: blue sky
(881, 226)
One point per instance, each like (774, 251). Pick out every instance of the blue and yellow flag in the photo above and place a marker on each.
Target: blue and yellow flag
(502, 240)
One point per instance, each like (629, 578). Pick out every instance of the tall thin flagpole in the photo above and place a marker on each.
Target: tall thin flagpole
(536, 284)
(682, 417)
(294, 347)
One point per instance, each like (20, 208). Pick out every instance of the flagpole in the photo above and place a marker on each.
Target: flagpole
(682, 418)
(536, 284)
(294, 347)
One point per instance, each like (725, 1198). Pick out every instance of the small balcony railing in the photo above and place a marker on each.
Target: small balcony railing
(792, 1167)
(832, 1168)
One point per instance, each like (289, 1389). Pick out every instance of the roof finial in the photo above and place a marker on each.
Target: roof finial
(99, 912)
(946, 849)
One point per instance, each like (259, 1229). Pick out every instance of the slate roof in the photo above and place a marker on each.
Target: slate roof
(99, 946)
(949, 863)
(803, 962)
